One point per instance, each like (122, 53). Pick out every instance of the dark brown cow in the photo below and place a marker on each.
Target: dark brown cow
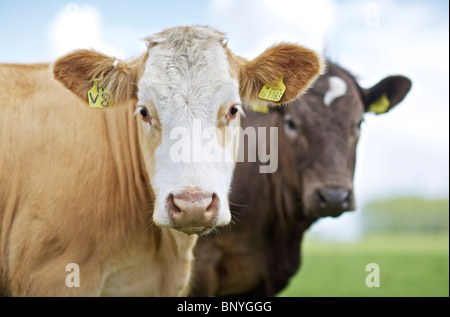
(318, 134)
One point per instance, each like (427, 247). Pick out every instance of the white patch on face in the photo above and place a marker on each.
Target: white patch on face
(337, 88)
(187, 79)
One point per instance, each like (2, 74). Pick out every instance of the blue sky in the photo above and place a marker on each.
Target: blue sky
(24, 24)
(405, 152)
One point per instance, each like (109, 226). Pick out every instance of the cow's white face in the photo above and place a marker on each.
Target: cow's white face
(188, 89)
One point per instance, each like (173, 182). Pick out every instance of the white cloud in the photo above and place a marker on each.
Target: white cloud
(253, 25)
(79, 26)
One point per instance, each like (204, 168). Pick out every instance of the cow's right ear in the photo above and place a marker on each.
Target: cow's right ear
(386, 94)
(280, 74)
(79, 70)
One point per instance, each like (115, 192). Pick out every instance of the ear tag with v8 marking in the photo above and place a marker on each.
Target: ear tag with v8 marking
(99, 97)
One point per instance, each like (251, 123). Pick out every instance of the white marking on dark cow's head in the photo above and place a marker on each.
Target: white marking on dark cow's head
(337, 88)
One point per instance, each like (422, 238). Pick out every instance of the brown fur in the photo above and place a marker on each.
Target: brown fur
(299, 67)
(73, 189)
(77, 71)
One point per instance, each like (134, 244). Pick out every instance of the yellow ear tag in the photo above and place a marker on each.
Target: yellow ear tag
(99, 97)
(381, 105)
(273, 93)
(258, 107)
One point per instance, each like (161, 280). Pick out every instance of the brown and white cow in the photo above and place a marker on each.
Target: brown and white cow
(318, 134)
(97, 192)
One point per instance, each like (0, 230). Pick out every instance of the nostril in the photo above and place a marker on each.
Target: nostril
(347, 199)
(321, 199)
(192, 208)
(213, 207)
(173, 209)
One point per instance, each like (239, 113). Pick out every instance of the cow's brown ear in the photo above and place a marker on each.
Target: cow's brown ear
(386, 94)
(80, 70)
(279, 75)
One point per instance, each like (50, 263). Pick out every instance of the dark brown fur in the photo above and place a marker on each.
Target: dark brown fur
(260, 251)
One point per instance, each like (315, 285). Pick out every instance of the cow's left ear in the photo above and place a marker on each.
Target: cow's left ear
(386, 94)
(279, 75)
(79, 71)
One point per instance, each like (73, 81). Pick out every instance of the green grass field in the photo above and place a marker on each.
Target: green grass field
(411, 265)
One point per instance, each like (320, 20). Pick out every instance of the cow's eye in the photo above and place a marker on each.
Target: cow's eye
(292, 128)
(290, 124)
(232, 112)
(145, 115)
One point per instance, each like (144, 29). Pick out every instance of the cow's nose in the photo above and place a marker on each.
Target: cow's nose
(333, 201)
(193, 211)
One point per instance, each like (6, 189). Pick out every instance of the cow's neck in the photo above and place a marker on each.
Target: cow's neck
(134, 188)
(284, 239)
(286, 202)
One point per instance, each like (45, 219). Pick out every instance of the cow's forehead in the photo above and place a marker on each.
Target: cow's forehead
(334, 79)
(335, 87)
(334, 95)
(187, 69)
(185, 34)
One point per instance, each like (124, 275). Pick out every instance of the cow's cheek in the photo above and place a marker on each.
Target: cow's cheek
(228, 137)
(149, 142)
